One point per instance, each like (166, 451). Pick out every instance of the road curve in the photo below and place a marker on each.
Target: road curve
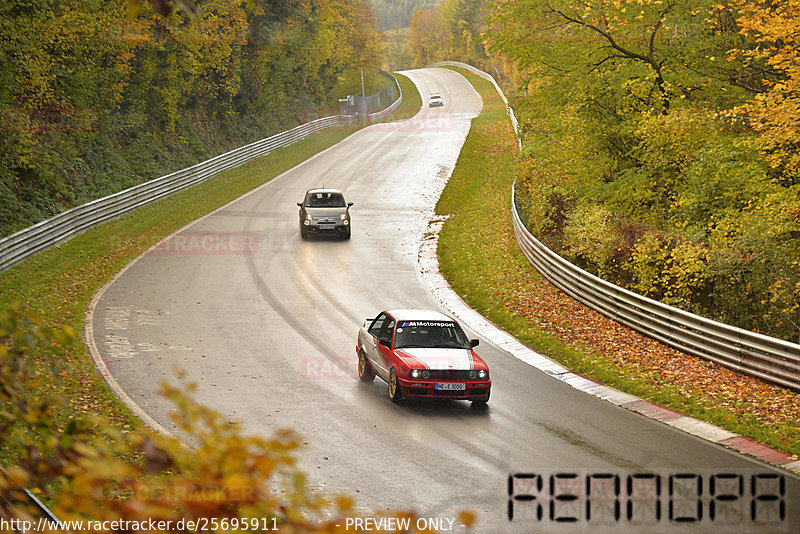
(267, 331)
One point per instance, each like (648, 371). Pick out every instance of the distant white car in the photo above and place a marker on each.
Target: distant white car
(435, 100)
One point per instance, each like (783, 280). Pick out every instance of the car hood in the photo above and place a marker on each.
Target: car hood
(326, 212)
(458, 359)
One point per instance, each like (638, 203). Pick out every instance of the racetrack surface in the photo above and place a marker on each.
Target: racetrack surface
(268, 335)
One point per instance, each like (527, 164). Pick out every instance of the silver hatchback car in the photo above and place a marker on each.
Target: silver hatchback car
(324, 211)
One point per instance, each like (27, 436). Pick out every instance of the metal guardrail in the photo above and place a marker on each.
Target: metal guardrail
(50, 232)
(764, 357)
(24, 497)
(489, 77)
(767, 358)
(380, 115)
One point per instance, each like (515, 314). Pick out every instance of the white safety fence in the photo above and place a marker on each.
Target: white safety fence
(395, 86)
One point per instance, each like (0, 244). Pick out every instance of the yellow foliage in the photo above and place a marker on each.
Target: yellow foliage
(674, 273)
(775, 113)
(225, 479)
(590, 234)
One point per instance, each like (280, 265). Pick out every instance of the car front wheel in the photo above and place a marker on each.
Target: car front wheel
(394, 387)
(365, 372)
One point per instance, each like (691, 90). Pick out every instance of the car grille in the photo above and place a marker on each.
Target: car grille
(449, 374)
(449, 393)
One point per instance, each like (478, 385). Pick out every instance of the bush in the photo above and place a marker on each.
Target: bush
(91, 470)
(673, 272)
(591, 235)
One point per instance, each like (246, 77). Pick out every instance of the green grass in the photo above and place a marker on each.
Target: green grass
(481, 260)
(58, 284)
(412, 100)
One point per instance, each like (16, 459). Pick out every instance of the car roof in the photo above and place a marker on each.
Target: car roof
(323, 190)
(419, 315)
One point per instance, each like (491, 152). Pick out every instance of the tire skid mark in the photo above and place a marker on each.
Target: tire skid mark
(295, 324)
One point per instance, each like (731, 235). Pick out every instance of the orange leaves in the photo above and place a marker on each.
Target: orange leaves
(776, 112)
(498, 281)
(634, 356)
(466, 518)
(106, 474)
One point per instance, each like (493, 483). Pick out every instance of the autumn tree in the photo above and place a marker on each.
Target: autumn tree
(775, 111)
(426, 36)
(96, 97)
(646, 111)
(661, 49)
(450, 30)
(396, 14)
(464, 23)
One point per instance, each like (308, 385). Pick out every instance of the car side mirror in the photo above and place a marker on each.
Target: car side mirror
(386, 343)
(349, 204)
(474, 342)
(300, 204)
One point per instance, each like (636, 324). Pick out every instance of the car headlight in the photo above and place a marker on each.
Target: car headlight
(309, 217)
(415, 373)
(473, 375)
(482, 374)
(426, 373)
(343, 216)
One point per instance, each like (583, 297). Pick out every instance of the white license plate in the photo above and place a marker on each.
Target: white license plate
(327, 226)
(452, 386)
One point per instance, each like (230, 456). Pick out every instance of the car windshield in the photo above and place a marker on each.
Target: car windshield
(430, 334)
(325, 200)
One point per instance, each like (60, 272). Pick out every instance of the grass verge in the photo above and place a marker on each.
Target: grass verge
(412, 100)
(481, 260)
(58, 284)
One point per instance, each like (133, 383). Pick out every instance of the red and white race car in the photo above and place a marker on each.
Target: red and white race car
(422, 354)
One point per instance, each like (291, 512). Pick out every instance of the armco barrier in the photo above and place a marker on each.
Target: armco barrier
(767, 358)
(380, 115)
(489, 77)
(48, 233)
(770, 359)
(10, 499)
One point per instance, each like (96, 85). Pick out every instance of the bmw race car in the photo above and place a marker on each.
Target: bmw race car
(422, 354)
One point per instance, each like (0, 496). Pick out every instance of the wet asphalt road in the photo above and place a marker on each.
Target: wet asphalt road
(265, 324)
